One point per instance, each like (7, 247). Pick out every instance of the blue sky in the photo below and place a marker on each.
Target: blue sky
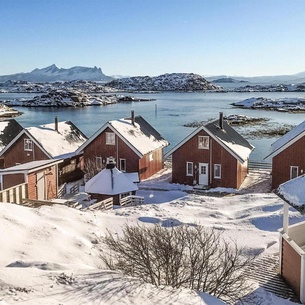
(152, 37)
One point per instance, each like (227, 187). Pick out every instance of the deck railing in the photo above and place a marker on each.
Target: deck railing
(14, 194)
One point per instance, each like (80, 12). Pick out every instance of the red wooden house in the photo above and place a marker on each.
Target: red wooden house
(287, 154)
(134, 144)
(58, 140)
(213, 155)
(292, 237)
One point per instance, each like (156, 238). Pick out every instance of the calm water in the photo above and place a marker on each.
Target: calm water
(167, 113)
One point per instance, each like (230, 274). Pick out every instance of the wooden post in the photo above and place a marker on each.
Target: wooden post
(286, 217)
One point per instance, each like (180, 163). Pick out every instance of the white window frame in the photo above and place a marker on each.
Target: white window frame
(28, 145)
(203, 142)
(110, 138)
(215, 171)
(291, 168)
(122, 169)
(190, 173)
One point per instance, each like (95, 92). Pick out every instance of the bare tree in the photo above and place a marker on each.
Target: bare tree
(92, 167)
(183, 256)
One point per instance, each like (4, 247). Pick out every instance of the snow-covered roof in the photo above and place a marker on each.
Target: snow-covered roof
(293, 192)
(227, 137)
(56, 144)
(110, 182)
(286, 140)
(141, 137)
(9, 129)
(28, 167)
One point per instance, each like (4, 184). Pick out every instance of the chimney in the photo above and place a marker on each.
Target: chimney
(56, 124)
(110, 163)
(221, 120)
(132, 117)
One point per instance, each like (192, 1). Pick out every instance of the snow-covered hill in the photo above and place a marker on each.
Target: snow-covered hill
(165, 82)
(53, 73)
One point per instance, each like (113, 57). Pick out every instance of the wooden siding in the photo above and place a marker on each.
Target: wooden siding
(50, 184)
(12, 180)
(291, 266)
(145, 167)
(16, 153)
(232, 173)
(150, 164)
(291, 156)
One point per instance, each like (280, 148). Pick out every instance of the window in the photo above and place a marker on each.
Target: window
(294, 171)
(217, 171)
(203, 142)
(189, 168)
(99, 162)
(123, 165)
(28, 144)
(110, 138)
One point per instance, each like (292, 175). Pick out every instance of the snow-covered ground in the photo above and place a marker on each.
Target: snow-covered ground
(50, 255)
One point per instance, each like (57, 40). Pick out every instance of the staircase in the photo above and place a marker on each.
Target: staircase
(265, 271)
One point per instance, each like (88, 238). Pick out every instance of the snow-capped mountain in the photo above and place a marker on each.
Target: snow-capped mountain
(53, 73)
(165, 82)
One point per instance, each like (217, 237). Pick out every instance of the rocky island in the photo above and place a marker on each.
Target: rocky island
(179, 82)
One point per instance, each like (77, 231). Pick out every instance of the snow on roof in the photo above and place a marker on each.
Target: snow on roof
(110, 182)
(230, 139)
(293, 192)
(287, 138)
(9, 129)
(26, 167)
(65, 141)
(141, 135)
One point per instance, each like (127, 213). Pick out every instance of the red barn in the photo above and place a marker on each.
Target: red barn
(213, 155)
(134, 144)
(287, 154)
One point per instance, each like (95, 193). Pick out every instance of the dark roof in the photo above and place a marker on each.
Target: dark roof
(9, 129)
(227, 133)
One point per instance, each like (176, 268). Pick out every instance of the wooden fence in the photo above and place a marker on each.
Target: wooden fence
(14, 194)
(132, 200)
(106, 204)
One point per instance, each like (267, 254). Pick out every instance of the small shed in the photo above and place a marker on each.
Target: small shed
(292, 237)
(39, 178)
(110, 182)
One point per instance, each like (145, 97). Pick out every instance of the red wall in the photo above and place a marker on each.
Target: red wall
(145, 167)
(232, 172)
(16, 153)
(291, 156)
(291, 266)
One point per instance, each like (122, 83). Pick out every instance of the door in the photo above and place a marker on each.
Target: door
(203, 173)
(40, 185)
(294, 172)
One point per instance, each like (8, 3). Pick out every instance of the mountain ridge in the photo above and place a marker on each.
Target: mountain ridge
(52, 73)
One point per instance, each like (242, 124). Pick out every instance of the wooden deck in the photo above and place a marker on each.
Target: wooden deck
(265, 272)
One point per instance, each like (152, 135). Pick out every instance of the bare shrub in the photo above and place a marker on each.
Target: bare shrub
(182, 256)
(92, 167)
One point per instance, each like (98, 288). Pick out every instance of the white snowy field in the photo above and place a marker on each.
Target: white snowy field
(50, 255)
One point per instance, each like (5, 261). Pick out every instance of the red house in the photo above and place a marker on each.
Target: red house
(58, 140)
(213, 155)
(134, 144)
(287, 154)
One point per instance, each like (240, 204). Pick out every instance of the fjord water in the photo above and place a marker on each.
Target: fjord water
(167, 113)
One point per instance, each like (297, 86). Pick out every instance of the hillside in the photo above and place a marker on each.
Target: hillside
(166, 82)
